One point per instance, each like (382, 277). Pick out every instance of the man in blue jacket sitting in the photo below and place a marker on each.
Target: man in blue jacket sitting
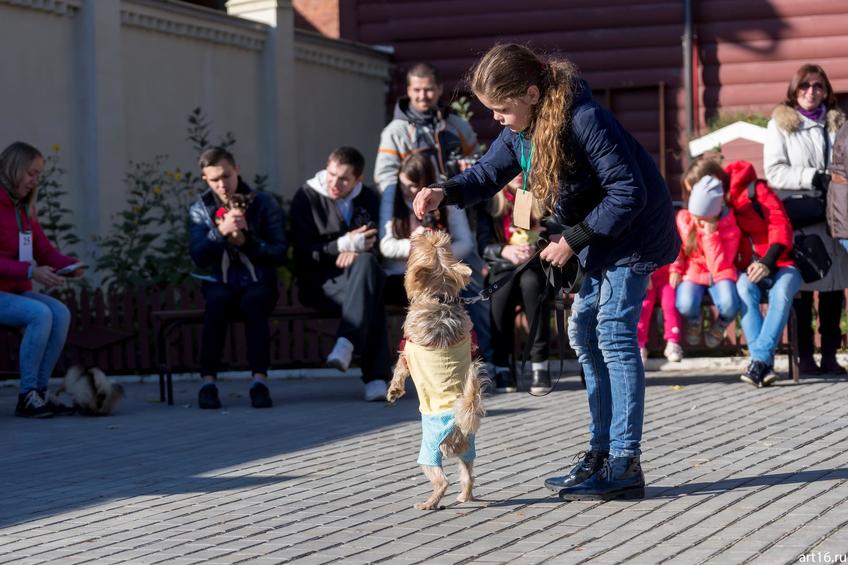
(238, 234)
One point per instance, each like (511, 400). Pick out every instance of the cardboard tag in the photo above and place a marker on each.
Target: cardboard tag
(522, 209)
(25, 246)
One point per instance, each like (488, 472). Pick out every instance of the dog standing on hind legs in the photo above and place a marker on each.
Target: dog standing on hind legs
(437, 353)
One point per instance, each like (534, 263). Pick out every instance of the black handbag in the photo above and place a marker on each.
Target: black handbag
(811, 257)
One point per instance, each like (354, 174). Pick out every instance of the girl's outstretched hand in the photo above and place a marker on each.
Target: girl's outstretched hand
(427, 200)
(557, 252)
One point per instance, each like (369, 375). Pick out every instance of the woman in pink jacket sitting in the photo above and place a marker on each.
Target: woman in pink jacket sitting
(25, 256)
(706, 262)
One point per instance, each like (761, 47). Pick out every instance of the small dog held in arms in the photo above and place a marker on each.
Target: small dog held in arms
(237, 202)
(92, 392)
(437, 353)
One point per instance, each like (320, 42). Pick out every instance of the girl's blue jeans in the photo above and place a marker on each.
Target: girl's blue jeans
(602, 331)
(45, 321)
(763, 334)
(723, 293)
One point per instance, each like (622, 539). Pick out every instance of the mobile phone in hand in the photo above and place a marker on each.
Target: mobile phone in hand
(70, 269)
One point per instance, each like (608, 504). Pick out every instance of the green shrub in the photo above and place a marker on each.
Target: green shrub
(52, 214)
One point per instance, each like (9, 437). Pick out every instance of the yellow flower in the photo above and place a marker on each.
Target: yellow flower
(55, 147)
(178, 175)
(168, 173)
(157, 189)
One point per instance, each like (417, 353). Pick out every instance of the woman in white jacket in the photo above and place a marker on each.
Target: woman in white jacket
(796, 157)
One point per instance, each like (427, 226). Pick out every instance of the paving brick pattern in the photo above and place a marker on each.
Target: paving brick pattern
(734, 475)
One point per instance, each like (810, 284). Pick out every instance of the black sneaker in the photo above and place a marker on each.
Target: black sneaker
(31, 405)
(505, 381)
(207, 398)
(260, 396)
(755, 373)
(541, 383)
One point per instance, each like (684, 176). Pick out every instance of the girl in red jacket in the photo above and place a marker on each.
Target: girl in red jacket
(706, 261)
(766, 254)
(26, 256)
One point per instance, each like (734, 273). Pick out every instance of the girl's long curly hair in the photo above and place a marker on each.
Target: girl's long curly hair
(505, 72)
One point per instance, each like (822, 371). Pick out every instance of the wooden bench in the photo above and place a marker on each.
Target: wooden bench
(166, 322)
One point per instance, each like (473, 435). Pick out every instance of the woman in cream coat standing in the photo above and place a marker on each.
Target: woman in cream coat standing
(795, 157)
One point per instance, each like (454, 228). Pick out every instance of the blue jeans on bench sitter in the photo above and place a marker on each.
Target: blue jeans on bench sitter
(723, 293)
(45, 321)
(763, 334)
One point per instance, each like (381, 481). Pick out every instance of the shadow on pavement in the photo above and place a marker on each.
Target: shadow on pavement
(149, 449)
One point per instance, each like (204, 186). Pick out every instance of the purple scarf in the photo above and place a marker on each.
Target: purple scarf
(814, 115)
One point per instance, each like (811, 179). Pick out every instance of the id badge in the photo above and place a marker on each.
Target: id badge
(25, 246)
(522, 209)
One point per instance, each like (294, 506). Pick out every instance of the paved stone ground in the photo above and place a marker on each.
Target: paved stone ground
(735, 475)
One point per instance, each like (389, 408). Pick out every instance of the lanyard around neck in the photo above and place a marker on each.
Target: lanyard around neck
(525, 162)
(16, 204)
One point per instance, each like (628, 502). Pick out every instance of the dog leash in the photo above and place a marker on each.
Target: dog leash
(559, 316)
(486, 293)
(564, 280)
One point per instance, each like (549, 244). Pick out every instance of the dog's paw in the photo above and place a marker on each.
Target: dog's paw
(428, 506)
(465, 497)
(393, 394)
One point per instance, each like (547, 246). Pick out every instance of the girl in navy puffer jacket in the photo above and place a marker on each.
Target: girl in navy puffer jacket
(606, 191)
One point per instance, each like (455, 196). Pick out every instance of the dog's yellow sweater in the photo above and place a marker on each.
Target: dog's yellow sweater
(438, 374)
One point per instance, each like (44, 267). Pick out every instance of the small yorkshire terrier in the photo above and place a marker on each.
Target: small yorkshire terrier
(437, 353)
(91, 390)
(241, 202)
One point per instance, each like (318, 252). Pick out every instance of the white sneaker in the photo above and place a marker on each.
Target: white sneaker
(341, 355)
(673, 352)
(643, 352)
(375, 390)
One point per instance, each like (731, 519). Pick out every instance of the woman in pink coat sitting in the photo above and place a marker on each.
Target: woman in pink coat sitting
(26, 256)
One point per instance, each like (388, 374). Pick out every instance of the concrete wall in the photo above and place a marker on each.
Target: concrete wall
(341, 94)
(108, 82)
